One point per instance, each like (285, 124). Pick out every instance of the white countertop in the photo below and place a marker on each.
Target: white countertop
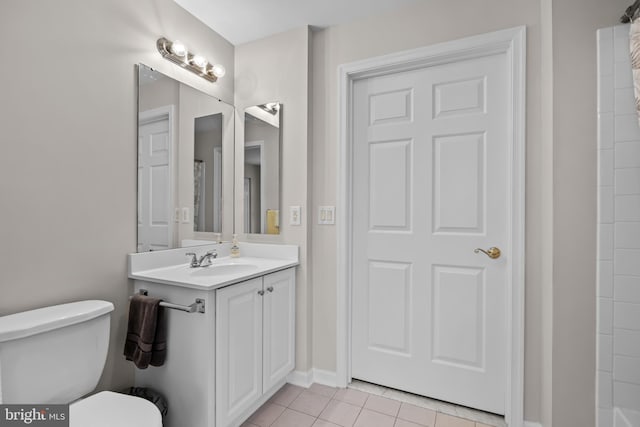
(171, 267)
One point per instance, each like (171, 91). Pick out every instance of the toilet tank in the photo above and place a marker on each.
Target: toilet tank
(54, 354)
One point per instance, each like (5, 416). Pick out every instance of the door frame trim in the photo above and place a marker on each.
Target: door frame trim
(511, 42)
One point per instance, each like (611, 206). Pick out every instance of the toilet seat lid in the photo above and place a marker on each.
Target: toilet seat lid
(109, 409)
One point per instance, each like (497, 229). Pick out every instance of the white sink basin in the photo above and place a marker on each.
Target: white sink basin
(171, 267)
(224, 269)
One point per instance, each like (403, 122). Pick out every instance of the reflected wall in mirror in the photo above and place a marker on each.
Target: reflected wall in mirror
(262, 125)
(185, 147)
(207, 174)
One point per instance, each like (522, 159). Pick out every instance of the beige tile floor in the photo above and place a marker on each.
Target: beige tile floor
(362, 405)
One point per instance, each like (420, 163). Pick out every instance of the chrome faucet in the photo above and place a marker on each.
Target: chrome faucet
(195, 262)
(212, 254)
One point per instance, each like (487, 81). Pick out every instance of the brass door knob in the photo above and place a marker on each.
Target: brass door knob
(492, 252)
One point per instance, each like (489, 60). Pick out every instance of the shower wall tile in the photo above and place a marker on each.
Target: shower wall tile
(626, 395)
(627, 208)
(606, 167)
(621, 52)
(605, 389)
(626, 316)
(627, 289)
(605, 242)
(627, 261)
(624, 101)
(606, 93)
(626, 342)
(605, 417)
(606, 201)
(627, 181)
(605, 131)
(627, 369)
(626, 128)
(605, 353)
(605, 279)
(605, 316)
(627, 155)
(621, 34)
(627, 235)
(622, 75)
(624, 62)
(605, 51)
(621, 43)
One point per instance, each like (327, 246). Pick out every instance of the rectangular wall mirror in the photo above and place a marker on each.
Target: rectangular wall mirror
(185, 163)
(261, 179)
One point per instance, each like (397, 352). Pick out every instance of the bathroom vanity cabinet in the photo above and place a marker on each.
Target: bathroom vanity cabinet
(255, 341)
(222, 364)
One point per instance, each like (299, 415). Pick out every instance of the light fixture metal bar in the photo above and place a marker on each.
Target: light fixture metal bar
(163, 44)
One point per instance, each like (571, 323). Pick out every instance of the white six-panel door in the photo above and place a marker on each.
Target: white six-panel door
(430, 171)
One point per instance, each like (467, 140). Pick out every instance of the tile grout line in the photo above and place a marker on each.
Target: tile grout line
(325, 406)
(359, 412)
(314, 393)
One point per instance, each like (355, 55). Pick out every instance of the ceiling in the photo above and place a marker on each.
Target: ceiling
(242, 21)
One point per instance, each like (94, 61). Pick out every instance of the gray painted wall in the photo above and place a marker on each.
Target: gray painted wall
(68, 162)
(277, 69)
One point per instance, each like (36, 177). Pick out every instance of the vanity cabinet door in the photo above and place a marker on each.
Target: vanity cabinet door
(238, 349)
(279, 326)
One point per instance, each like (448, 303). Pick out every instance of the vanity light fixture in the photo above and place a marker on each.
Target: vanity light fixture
(177, 53)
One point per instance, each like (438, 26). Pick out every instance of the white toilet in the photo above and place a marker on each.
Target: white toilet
(56, 355)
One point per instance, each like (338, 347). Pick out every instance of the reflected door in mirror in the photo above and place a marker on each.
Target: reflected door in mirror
(154, 173)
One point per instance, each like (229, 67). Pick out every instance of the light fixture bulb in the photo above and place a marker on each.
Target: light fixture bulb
(177, 53)
(177, 48)
(218, 70)
(199, 61)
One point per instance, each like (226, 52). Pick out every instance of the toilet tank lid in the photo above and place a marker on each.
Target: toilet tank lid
(27, 323)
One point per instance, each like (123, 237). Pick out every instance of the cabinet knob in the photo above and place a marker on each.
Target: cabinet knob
(260, 292)
(270, 289)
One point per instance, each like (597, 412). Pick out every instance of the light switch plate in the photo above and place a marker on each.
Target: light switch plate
(327, 215)
(294, 215)
(186, 218)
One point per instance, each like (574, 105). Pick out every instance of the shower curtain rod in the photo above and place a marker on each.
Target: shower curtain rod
(630, 12)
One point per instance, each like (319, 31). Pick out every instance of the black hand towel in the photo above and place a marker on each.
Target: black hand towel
(146, 334)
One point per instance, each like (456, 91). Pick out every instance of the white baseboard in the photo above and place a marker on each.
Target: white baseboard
(319, 376)
(301, 378)
(531, 424)
(323, 377)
